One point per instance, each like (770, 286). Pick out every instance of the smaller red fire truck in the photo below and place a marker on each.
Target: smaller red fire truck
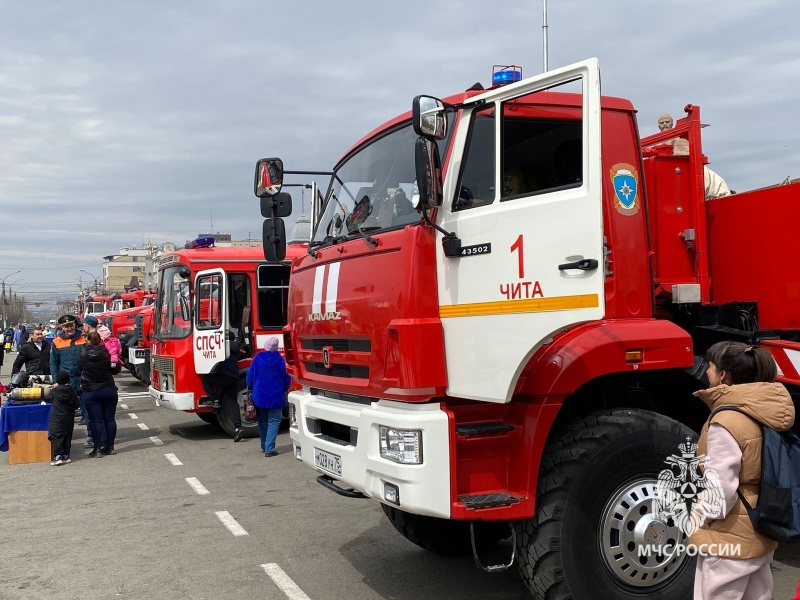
(204, 293)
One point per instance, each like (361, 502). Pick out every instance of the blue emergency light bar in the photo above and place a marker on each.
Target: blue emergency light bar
(201, 242)
(504, 75)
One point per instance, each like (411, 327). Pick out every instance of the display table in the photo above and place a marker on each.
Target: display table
(23, 432)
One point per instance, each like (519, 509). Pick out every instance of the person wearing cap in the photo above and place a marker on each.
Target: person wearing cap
(67, 346)
(268, 382)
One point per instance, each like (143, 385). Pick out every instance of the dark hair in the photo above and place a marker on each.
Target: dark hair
(94, 338)
(742, 363)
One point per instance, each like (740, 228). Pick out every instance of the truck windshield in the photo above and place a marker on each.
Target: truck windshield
(377, 180)
(173, 316)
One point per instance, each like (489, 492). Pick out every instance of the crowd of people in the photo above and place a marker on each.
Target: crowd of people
(82, 359)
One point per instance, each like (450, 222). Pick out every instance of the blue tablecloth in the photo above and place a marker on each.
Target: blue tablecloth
(22, 417)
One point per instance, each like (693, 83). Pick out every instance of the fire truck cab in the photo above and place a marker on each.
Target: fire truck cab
(206, 293)
(502, 317)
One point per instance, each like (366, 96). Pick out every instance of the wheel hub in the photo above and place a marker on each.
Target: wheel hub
(639, 547)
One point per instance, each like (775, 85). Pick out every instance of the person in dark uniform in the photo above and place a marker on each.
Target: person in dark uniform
(226, 377)
(62, 419)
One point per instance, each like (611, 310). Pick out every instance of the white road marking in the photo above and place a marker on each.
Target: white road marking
(133, 415)
(124, 407)
(155, 440)
(142, 426)
(283, 581)
(174, 460)
(133, 394)
(231, 523)
(197, 486)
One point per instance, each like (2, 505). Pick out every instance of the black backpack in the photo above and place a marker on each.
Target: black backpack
(777, 512)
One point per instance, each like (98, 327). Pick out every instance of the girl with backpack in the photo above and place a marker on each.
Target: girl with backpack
(736, 561)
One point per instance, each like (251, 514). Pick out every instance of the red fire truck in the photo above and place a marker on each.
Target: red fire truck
(501, 319)
(203, 293)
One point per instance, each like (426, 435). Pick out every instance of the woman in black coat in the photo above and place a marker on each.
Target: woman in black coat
(99, 393)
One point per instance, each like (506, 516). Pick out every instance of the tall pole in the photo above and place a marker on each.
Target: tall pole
(4, 295)
(544, 33)
(93, 277)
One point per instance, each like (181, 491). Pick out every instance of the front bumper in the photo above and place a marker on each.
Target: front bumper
(172, 400)
(424, 489)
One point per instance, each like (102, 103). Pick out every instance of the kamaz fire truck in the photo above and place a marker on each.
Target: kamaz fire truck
(205, 293)
(501, 319)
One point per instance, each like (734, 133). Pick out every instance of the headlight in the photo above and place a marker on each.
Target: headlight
(401, 445)
(292, 415)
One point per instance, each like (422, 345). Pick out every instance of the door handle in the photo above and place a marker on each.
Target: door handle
(587, 264)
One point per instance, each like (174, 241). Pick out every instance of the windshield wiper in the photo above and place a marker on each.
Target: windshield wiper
(363, 233)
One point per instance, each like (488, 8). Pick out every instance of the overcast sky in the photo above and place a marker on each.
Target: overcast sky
(123, 123)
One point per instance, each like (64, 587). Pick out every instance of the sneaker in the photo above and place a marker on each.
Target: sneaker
(56, 462)
(107, 451)
(271, 454)
(94, 454)
(67, 460)
(81, 422)
(88, 445)
(237, 435)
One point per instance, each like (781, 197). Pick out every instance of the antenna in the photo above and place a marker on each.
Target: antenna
(544, 33)
(210, 216)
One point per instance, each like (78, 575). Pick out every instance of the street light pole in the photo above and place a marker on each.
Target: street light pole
(3, 279)
(93, 277)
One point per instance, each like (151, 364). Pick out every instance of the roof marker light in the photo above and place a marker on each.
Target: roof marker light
(505, 74)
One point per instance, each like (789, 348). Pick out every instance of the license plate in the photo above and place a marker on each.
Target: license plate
(330, 463)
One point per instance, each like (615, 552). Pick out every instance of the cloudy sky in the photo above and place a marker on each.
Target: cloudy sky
(123, 123)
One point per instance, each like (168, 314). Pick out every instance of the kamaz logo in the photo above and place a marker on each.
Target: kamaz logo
(326, 316)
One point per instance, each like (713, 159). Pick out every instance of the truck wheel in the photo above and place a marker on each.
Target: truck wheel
(442, 536)
(208, 417)
(143, 373)
(249, 428)
(595, 506)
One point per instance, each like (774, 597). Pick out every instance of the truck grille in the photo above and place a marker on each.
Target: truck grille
(339, 345)
(162, 364)
(138, 326)
(349, 371)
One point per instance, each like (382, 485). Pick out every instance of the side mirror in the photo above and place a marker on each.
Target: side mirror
(280, 203)
(429, 175)
(269, 177)
(273, 237)
(428, 116)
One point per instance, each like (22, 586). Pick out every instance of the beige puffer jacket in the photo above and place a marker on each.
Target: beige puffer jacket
(767, 403)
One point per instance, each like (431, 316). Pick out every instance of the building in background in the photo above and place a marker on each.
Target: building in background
(131, 268)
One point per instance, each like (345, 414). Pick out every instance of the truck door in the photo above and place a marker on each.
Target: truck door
(210, 343)
(524, 198)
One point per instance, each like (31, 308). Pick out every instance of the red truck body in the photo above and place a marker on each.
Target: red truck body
(529, 357)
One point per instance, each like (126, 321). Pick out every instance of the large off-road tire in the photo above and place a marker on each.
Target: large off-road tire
(208, 417)
(442, 536)
(142, 373)
(595, 502)
(249, 428)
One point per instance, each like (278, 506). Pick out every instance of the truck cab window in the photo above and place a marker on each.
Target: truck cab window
(540, 155)
(239, 299)
(477, 181)
(273, 295)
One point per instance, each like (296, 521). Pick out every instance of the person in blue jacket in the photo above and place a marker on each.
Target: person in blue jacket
(268, 382)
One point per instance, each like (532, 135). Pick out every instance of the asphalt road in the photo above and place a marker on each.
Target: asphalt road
(223, 523)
